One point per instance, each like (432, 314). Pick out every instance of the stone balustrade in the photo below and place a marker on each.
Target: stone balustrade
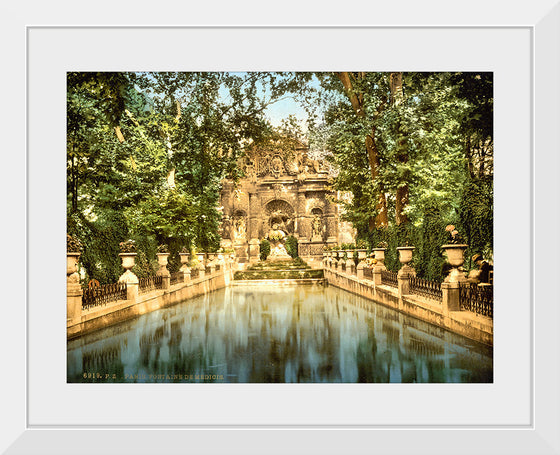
(153, 296)
(437, 303)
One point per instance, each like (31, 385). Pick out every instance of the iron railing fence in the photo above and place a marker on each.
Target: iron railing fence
(368, 273)
(389, 278)
(194, 273)
(477, 298)
(177, 277)
(425, 288)
(150, 283)
(103, 294)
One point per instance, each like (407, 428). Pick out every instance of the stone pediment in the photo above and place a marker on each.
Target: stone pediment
(281, 163)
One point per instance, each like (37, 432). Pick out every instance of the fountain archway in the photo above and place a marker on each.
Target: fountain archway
(281, 213)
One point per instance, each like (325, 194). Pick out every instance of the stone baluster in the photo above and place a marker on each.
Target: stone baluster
(450, 297)
(350, 262)
(185, 266)
(405, 272)
(329, 259)
(340, 254)
(362, 254)
(201, 264)
(379, 256)
(128, 277)
(220, 260)
(212, 263)
(74, 291)
(162, 271)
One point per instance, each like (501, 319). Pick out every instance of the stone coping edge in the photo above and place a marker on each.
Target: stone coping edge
(283, 282)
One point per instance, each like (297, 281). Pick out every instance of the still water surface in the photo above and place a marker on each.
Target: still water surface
(277, 334)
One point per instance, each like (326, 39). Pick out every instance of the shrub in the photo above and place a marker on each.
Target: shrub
(292, 246)
(128, 246)
(264, 249)
(73, 245)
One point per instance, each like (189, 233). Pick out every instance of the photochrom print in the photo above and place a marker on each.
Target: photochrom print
(329, 227)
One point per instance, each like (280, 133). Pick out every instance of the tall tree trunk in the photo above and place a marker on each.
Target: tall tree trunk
(170, 152)
(74, 186)
(171, 166)
(356, 100)
(482, 159)
(468, 150)
(402, 196)
(381, 205)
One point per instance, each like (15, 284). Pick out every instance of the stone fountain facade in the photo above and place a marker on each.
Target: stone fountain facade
(286, 188)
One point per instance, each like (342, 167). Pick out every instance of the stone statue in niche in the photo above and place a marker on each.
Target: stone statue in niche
(226, 228)
(240, 229)
(316, 228)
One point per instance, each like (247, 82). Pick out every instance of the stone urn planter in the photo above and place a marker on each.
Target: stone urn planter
(379, 254)
(162, 261)
(72, 263)
(455, 257)
(73, 248)
(362, 254)
(405, 256)
(72, 275)
(127, 260)
(185, 261)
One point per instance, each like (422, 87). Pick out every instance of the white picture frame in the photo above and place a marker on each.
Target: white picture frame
(532, 217)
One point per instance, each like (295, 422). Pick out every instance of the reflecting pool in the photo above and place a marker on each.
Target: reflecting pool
(277, 334)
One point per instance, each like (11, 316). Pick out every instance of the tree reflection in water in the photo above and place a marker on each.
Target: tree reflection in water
(279, 334)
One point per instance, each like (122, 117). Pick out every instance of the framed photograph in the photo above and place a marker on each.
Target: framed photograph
(515, 412)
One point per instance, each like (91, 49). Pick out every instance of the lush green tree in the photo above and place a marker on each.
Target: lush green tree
(147, 152)
(416, 125)
(151, 150)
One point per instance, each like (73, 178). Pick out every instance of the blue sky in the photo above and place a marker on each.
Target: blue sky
(285, 107)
